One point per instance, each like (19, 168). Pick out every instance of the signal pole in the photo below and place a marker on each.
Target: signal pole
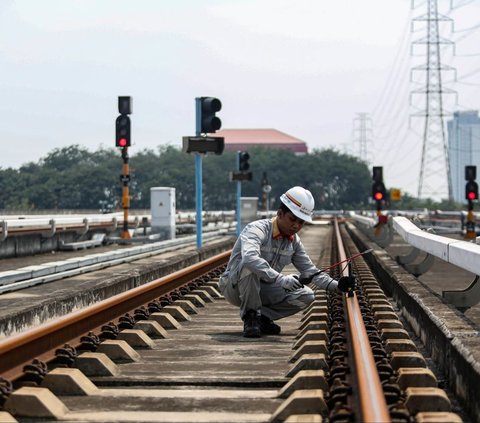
(264, 192)
(242, 166)
(125, 178)
(123, 140)
(239, 198)
(205, 122)
(470, 226)
(198, 174)
(241, 174)
(379, 194)
(471, 194)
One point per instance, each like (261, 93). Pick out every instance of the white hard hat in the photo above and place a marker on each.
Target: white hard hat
(300, 202)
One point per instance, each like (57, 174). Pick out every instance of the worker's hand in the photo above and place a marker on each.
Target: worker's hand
(289, 282)
(346, 284)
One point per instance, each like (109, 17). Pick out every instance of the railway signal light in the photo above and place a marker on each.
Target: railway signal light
(377, 175)
(122, 140)
(379, 192)
(122, 131)
(471, 191)
(209, 123)
(205, 122)
(243, 158)
(471, 194)
(470, 173)
(125, 105)
(242, 164)
(471, 188)
(122, 124)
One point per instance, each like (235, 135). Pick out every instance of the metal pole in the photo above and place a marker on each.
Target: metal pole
(125, 195)
(198, 197)
(264, 193)
(378, 228)
(198, 175)
(239, 218)
(239, 194)
(470, 232)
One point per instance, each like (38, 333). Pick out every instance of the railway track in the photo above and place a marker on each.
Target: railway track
(176, 353)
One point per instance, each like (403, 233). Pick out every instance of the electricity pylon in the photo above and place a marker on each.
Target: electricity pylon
(435, 178)
(362, 131)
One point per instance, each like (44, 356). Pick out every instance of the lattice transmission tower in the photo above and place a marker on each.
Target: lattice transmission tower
(435, 179)
(362, 135)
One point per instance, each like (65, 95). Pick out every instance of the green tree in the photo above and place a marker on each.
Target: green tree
(72, 178)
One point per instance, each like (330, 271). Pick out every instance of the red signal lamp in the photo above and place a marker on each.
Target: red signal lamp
(378, 196)
(122, 142)
(471, 191)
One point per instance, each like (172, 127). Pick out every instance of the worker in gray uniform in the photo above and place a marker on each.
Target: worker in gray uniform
(253, 280)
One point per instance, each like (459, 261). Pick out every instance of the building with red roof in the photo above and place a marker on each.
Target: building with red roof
(243, 139)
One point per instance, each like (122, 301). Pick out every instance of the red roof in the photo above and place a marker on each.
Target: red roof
(272, 138)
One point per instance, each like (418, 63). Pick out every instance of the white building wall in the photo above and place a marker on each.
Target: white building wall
(463, 149)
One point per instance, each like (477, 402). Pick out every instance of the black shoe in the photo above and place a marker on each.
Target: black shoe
(251, 327)
(268, 327)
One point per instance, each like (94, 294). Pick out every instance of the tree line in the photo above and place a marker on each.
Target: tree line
(74, 178)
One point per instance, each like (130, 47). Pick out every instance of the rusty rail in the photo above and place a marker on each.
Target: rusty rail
(371, 399)
(41, 342)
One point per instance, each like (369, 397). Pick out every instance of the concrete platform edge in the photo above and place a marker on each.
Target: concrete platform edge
(51, 307)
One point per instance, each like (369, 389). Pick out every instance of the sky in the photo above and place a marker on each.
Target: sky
(303, 67)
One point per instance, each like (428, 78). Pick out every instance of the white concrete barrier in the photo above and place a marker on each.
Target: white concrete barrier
(364, 220)
(463, 254)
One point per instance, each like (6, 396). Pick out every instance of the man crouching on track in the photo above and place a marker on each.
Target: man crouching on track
(252, 280)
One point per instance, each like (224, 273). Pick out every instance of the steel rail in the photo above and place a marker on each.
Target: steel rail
(41, 342)
(371, 398)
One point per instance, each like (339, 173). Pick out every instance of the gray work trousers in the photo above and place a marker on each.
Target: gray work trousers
(273, 301)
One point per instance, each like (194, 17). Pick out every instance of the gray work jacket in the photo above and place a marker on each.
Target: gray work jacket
(255, 251)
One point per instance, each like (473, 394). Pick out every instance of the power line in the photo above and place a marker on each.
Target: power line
(465, 2)
(393, 71)
(397, 142)
(472, 28)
